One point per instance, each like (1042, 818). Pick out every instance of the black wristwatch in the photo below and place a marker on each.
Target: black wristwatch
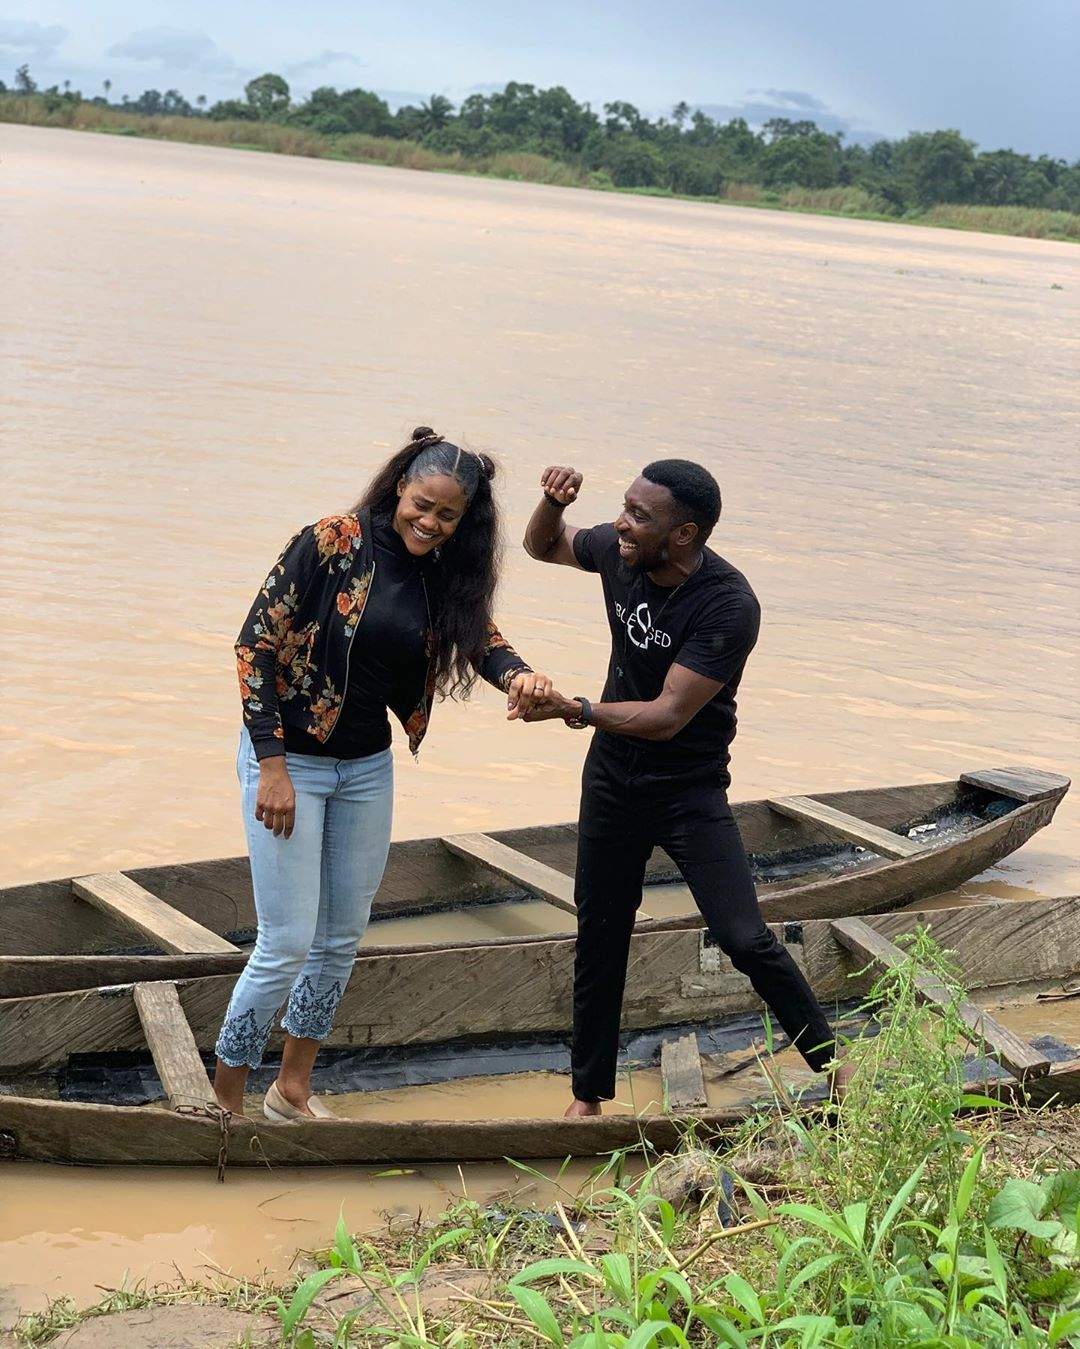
(579, 723)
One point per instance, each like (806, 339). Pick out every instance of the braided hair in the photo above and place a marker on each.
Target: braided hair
(463, 579)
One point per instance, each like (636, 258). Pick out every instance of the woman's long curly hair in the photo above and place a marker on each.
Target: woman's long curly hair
(465, 573)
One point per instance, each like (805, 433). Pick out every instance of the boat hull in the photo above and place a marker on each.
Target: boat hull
(1003, 950)
(51, 940)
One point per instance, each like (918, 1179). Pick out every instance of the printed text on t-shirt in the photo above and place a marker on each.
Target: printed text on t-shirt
(639, 627)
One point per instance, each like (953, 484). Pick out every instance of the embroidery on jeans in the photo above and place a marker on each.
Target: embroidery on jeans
(242, 1040)
(310, 1015)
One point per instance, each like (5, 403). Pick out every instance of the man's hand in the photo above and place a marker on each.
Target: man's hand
(554, 708)
(561, 484)
(526, 691)
(548, 537)
(275, 803)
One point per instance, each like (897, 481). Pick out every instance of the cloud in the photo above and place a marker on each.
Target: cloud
(761, 105)
(793, 98)
(175, 49)
(36, 41)
(401, 98)
(326, 60)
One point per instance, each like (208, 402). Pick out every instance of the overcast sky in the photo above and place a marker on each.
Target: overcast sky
(1005, 72)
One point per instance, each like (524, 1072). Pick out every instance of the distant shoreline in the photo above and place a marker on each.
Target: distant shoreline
(519, 166)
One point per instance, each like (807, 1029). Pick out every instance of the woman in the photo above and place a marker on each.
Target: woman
(377, 609)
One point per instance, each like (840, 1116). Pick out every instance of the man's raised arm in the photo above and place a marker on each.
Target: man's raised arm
(548, 538)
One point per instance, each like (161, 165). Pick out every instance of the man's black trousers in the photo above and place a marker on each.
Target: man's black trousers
(627, 810)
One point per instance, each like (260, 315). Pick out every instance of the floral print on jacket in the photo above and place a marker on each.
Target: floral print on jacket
(293, 650)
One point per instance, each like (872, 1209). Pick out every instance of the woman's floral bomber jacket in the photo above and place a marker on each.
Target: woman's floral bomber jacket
(292, 654)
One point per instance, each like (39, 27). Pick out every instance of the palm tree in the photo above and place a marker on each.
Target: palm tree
(200, 101)
(106, 85)
(435, 113)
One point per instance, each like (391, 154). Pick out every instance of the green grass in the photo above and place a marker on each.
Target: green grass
(894, 1223)
(521, 166)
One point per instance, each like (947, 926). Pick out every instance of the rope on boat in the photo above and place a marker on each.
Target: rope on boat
(211, 1110)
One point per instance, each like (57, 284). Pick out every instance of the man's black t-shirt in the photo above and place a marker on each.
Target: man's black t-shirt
(708, 624)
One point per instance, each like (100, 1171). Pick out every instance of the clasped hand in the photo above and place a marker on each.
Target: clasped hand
(533, 697)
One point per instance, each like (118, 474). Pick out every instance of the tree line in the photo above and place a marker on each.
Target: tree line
(686, 152)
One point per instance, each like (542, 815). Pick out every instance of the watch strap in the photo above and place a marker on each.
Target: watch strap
(585, 717)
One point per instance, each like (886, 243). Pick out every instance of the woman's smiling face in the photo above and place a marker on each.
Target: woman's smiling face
(429, 509)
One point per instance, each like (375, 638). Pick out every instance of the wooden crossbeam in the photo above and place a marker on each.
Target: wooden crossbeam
(536, 876)
(680, 1072)
(121, 897)
(543, 880)
(879, 840)
(1022, 784)
(1014, 1053)
(172, 1045)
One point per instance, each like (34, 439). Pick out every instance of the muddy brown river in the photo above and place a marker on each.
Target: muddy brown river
(203, 350)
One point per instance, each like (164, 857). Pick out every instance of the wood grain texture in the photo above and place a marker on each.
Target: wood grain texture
(881, 886)
(45, 918)
(26, 976)
(1021, 784)
(521, 987)
(63, 1131)
(833, 821)
(1059, 1087)
(1010, 1050)
(535, 876)
(122, 898)
(172, 1045)
(680, 1072)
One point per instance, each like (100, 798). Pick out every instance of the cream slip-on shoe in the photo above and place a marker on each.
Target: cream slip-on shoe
(281, 1111)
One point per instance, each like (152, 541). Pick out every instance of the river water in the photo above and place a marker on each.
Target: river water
(203, 350)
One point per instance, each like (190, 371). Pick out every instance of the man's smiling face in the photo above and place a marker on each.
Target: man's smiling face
(644, 525)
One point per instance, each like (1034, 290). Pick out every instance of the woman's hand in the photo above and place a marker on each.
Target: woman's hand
(526, 691)
(275, 804)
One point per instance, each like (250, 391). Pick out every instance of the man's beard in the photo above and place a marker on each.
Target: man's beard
(642, 563)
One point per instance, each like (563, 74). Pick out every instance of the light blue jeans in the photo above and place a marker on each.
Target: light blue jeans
(313, 896)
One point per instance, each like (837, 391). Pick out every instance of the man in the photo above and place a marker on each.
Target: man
(683, 622)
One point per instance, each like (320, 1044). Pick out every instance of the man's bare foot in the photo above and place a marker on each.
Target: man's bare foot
(582, 1109)
(839, 1081)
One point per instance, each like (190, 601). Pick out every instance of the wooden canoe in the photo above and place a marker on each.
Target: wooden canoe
(833, 854)
(465, 997)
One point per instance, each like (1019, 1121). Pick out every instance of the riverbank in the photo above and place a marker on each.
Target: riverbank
(902, 1219)
(752, 1245)
(520, 166)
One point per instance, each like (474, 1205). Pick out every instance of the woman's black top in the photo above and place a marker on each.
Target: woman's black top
(295, 650)
(387, 655)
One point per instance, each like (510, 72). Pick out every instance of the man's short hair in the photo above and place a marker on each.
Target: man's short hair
(695, 490)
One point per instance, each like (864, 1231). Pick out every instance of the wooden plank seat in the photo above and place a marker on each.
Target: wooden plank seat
(536, 876)
(1010, 1050)
(1022, 784)
(680, 1072)
(867, 835)
(172, 1045)
(122, 898)
(542, 880)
